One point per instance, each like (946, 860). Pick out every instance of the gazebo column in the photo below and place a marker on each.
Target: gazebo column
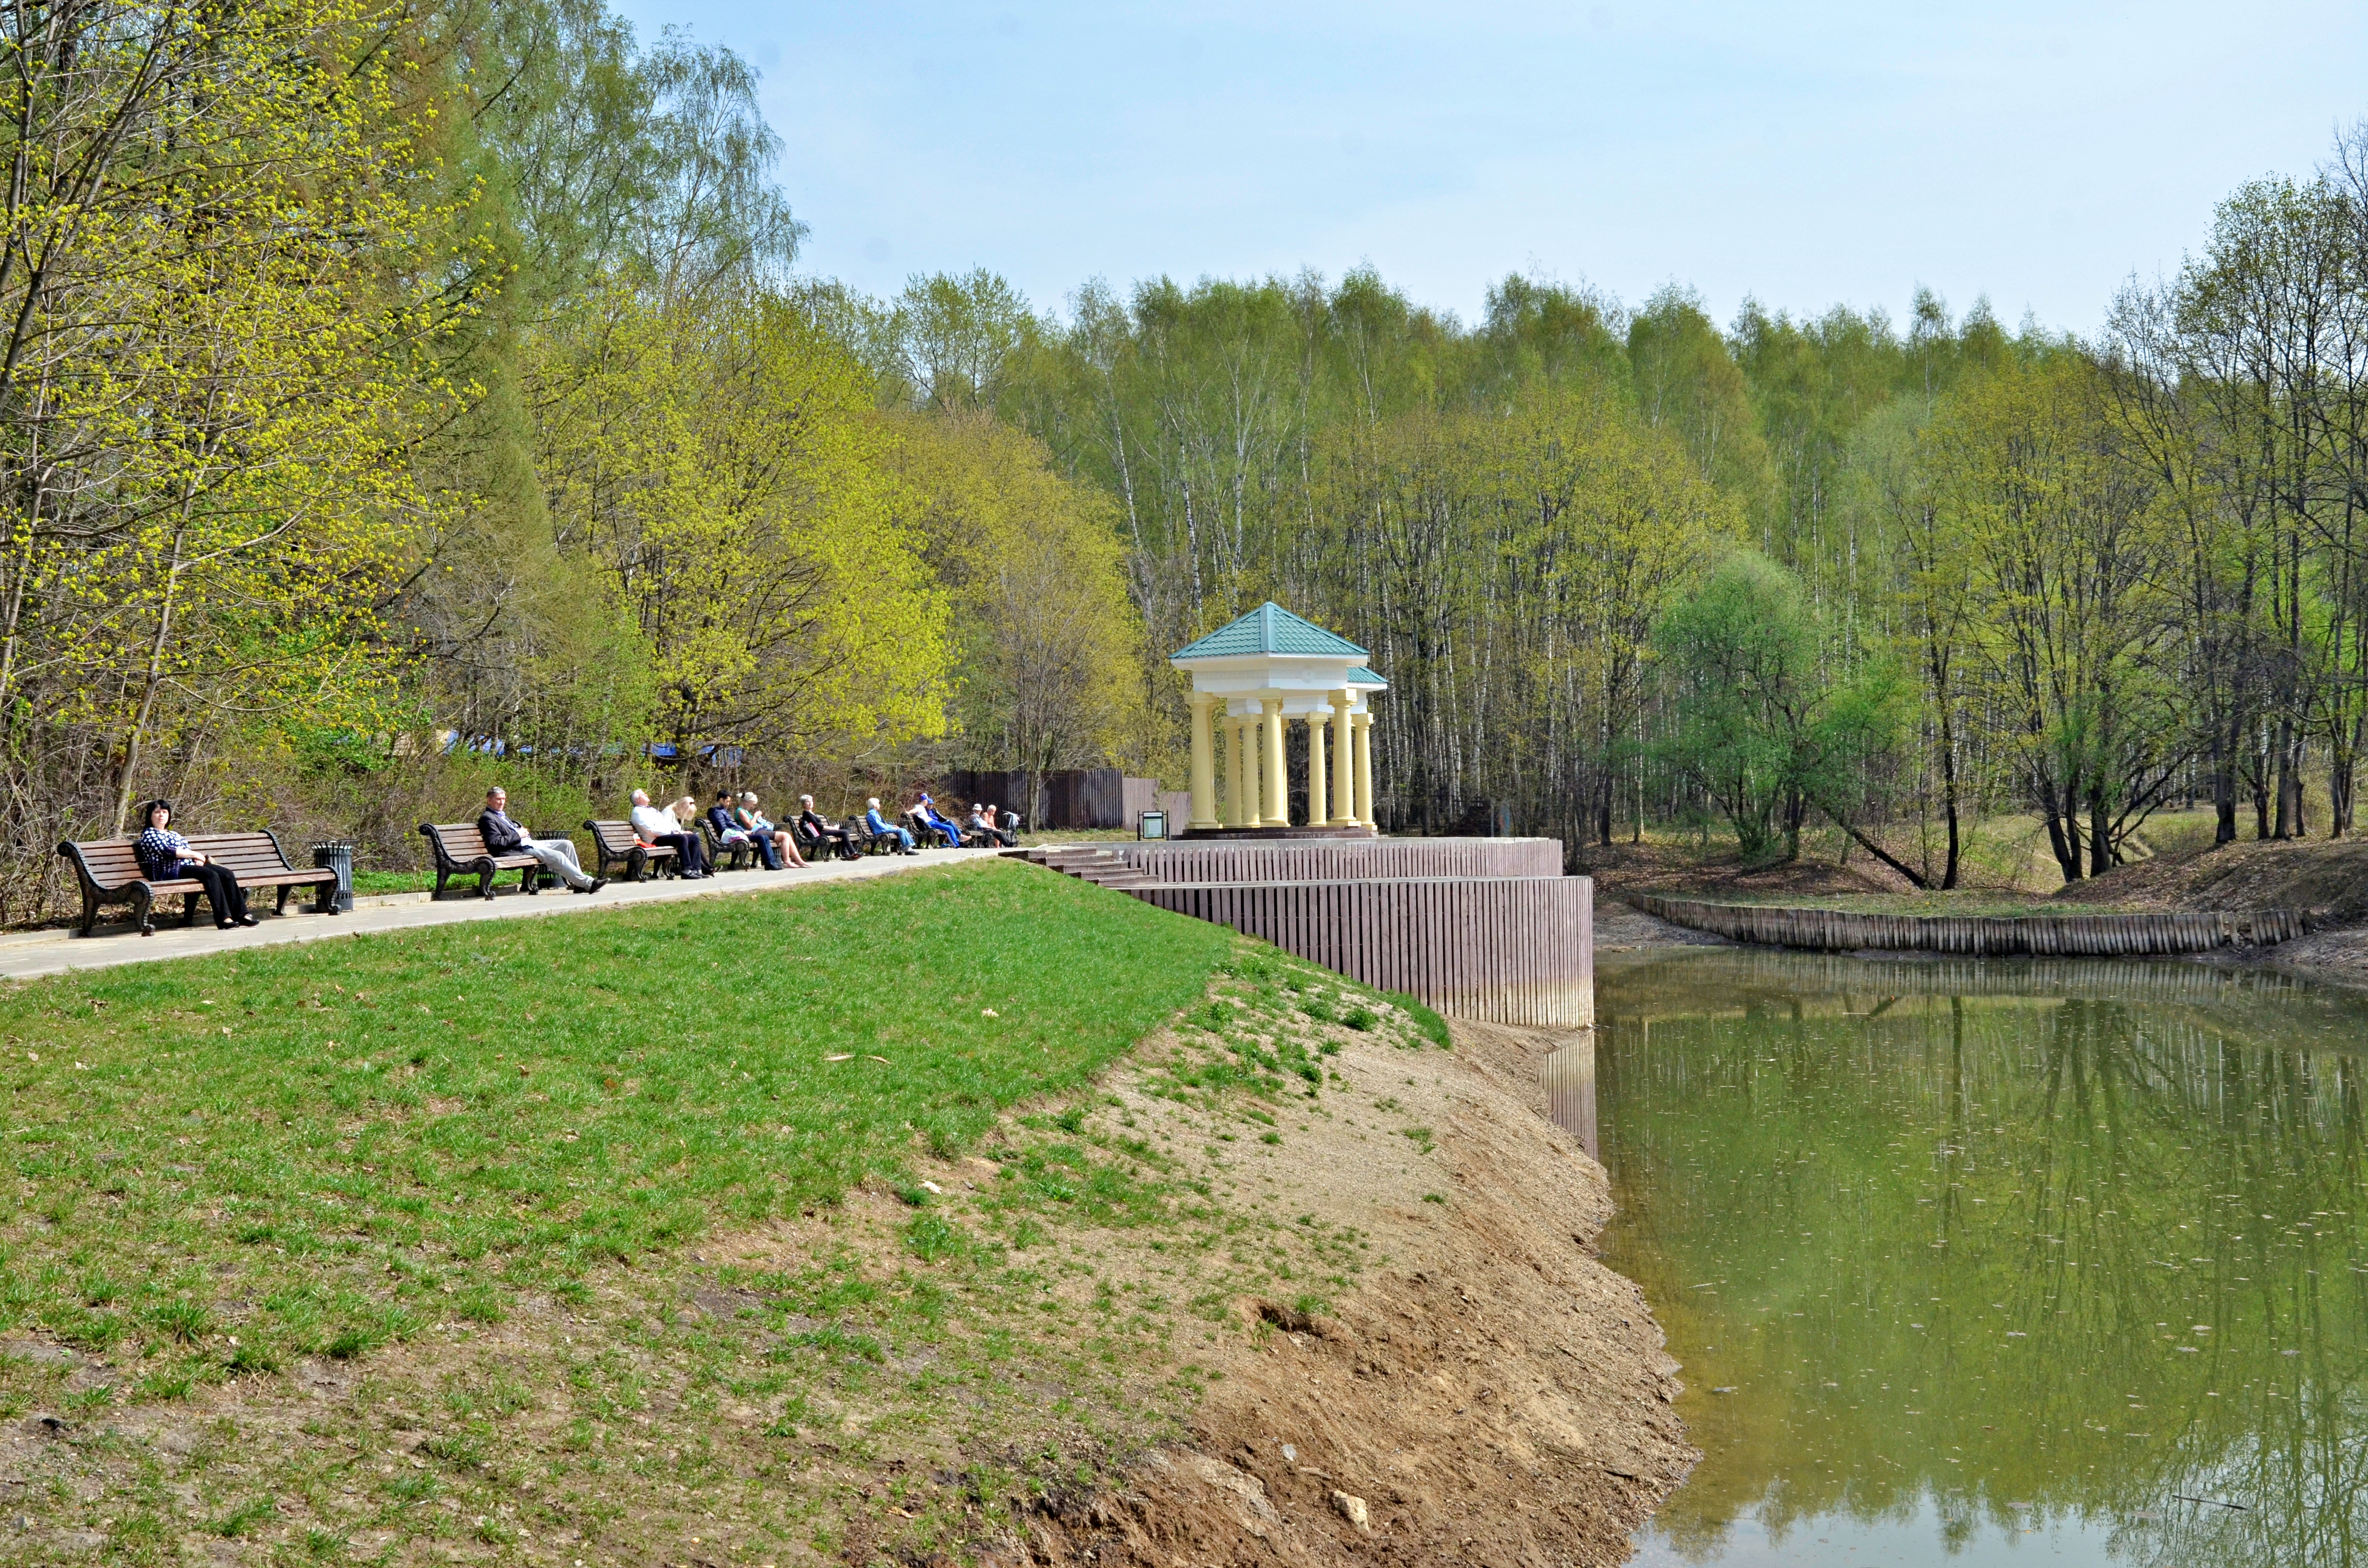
(1233, 817)
(1317, 796)
(1205, 764)
(1365, 771)
(1246, 729)
(1276, 793)
(1344, 758)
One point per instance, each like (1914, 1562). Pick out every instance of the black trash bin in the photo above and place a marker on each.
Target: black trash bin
(339, 858)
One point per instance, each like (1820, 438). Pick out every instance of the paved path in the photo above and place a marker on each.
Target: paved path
(36, 953)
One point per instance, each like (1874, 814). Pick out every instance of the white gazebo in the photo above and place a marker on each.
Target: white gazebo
(1253, 675)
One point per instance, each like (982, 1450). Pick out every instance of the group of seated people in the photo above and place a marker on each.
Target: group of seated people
(928, 826)
(735, 820)
(738, 822)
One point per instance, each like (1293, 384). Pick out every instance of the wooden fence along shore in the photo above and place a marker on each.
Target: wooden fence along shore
(1968, 936)
(1484, 929)
(1502, 950)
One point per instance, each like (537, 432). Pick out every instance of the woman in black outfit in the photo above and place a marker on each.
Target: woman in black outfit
(832, 837)
(166, 857)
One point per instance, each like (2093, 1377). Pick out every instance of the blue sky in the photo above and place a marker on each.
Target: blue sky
(1810, 155)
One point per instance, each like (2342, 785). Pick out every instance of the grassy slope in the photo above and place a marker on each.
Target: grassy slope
(364, 1302)
(312, 1146)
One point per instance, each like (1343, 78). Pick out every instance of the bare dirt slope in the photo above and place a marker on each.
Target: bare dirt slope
(1487, 1393)
(1662, 867)
(2313, 874)
(2329, 879)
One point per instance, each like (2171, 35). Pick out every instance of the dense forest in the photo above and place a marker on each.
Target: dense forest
(402, 394)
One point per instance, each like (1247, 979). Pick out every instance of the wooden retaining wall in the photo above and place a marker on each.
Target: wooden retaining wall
(1316, 859)
(1500, 949)
(2037, 935)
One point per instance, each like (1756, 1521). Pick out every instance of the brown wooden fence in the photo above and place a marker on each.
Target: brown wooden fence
(2039, 935)
(1501, 949)
(1315, 859)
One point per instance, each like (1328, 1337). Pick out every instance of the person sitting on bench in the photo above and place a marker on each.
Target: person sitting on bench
(504, 837)
(657, 828)
(824, 832)
(925, 813)
(784, 842)
(882, 828)
(166, 857)
(982, 824)
(728, 832)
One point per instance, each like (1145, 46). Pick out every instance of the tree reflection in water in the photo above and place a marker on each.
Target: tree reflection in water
(2076, 1249)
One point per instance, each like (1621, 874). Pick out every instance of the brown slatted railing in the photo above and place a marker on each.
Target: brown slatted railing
(1294, 861)
(1499, 949)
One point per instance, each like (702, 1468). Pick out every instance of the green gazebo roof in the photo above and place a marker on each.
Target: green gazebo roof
(1270, 629)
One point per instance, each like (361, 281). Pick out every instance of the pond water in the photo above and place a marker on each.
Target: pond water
(2011, 1263)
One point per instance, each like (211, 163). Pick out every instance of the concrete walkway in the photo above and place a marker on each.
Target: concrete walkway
(35, 953)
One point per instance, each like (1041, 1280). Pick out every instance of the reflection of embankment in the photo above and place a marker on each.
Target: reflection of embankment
(1680, 978)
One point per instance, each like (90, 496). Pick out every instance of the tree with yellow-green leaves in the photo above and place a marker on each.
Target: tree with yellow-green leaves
(225, 257)
(1507, 570)
(720, 464)
(1047, 643)
(2069, 551)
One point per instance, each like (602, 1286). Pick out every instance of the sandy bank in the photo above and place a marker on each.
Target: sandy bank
(1487, 1390)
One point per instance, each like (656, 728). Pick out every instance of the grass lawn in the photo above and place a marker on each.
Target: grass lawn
(367, 883)
(310, 1146)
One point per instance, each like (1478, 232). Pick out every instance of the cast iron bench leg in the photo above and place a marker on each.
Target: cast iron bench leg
(143, 901)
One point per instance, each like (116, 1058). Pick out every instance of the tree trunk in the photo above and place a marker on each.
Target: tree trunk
(2066, 844)
(1948, 793)
(1915, 879)
(2100, 836)
(2285, 779)
(2223, 786)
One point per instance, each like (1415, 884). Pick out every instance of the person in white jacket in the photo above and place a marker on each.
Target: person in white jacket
(653, 827)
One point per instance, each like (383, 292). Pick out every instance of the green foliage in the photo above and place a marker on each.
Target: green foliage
(1756, 724)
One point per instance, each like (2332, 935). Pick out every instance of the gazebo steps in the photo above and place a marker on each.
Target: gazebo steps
(1097, 866)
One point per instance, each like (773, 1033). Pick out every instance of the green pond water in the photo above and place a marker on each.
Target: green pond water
(2012, 1263)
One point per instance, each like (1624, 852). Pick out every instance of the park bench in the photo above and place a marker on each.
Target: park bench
(108, 869)
(613, 844)
(882, 843)
(738, 856)
(460, 851)
(819, 848)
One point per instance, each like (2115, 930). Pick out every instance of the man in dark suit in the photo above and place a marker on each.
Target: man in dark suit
(504, 837)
